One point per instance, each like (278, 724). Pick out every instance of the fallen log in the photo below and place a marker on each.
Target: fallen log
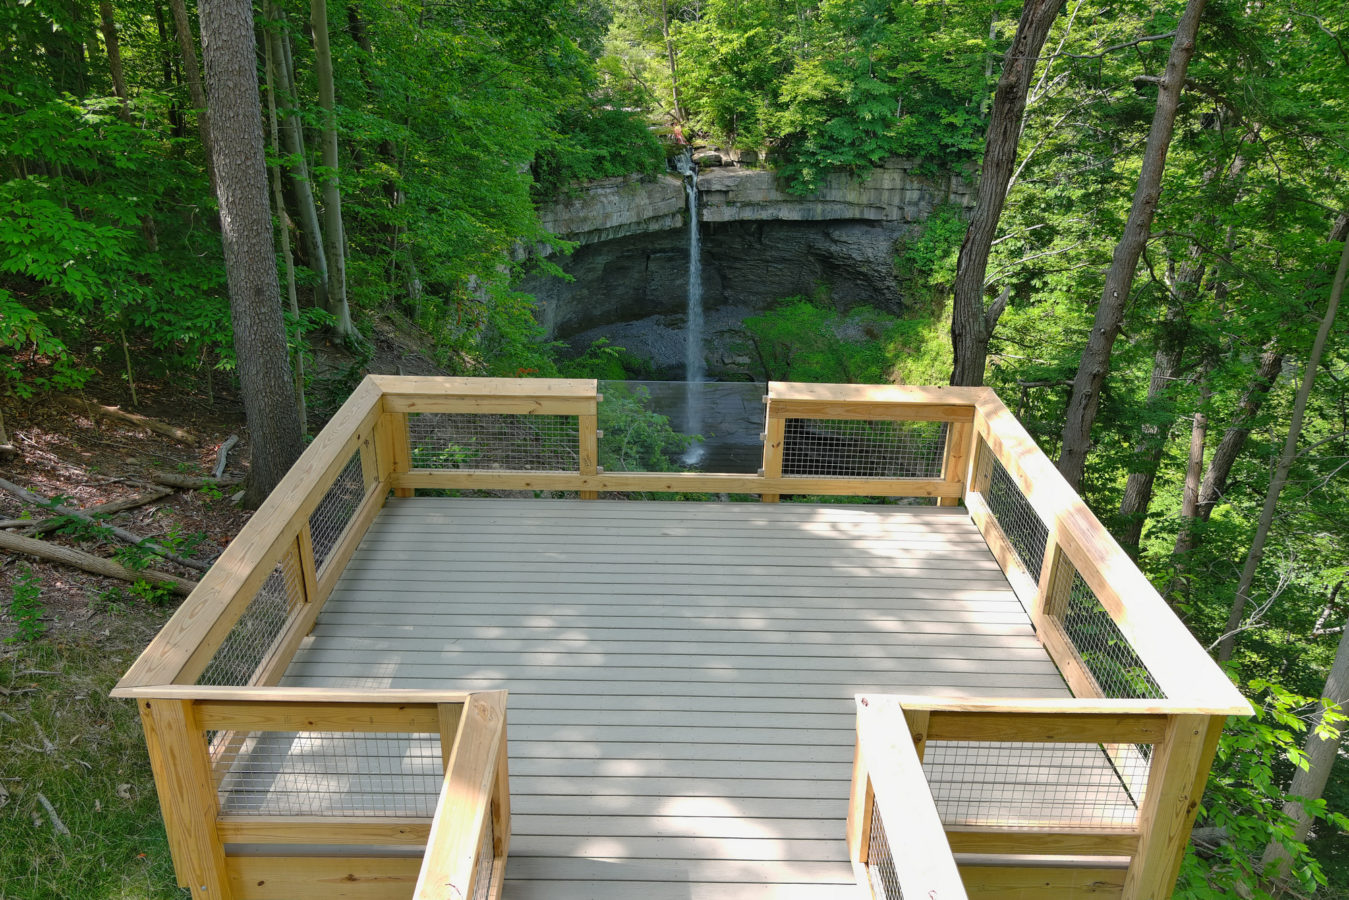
(90, 563)
(114, 414)
(193, 482)
(41, 526)
(121, 533)
(223, 455)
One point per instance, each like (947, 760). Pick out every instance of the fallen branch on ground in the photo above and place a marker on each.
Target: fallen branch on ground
(193, 482)
(40, 526)
(128, 536)
(88, 562)
(223, 455)
(57, 825)
(120, 415)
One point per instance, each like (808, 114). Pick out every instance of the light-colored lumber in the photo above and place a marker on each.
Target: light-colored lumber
(348, 830)
(449, 867)
(588, 450)
(168, 802)
(875, 393)
(186, 643)
(278, 715)
(956, 459)
(1056, 842)
(432, 386)
(861, 800)
(668, 482)
(298, 696)
(322, 878)
(1059, 883)
(17, 543)
(859, 410)
(184, 773)
(924, 864)
(1038, 727)
(393, 429)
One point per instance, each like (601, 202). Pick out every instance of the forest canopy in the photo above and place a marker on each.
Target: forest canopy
(409, 145)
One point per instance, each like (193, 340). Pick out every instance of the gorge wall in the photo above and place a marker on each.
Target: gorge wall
(759, 244)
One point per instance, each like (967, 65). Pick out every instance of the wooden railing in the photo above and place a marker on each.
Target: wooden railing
(1100, 620)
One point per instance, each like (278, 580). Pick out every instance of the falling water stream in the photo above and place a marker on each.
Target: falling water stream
(695, 367)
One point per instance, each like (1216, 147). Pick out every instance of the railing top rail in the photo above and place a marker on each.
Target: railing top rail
(445, 386)
(1185, 672)
(260, 539)
(924, 864)
(268, 693)
(875, 393)
(1049, 705)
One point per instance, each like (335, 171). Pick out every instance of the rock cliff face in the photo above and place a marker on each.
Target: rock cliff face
(759, 243)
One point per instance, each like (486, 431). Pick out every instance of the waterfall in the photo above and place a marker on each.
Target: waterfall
(695, 368)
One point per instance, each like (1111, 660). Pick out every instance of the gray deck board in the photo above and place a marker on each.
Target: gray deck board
(681, 675)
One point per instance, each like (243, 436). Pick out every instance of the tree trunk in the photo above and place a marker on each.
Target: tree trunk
(332, 194)
(188, 47)
(250, 257)
(1086, 393)
(1228, 643)
(971, 325)
(1321, 750)
(670, 56)
(293, 135)
(109, 28)
(283, 223)
(1133, 509)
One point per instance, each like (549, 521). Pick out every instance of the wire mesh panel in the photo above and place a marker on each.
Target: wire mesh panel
(851, 448)
(482, 878)
(251, 639)
(880, 863)
(1015, 784)
(313, 773)
(475, 441)
(1024, 529)
(334, 513)
(1107, 654)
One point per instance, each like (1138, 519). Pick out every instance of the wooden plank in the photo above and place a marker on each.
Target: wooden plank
(308, 694)
(394, 432)
(674, 890)
(1176, 778)
(448, 869)
(774, 440)
(1021, 580)
(875, 393)
(1171, 654)
(859, 410)
(1057, 842)
(924, 865)
(181, 751)
(280, 715)
(1061, 883)
(322, 877)
(1046, 727)
(668, 482)
(349, 831)
(185, 644)
(448, 718)
(955, 461)
(588, 450)
(166, 790)
(491, 405)
(309, 579)
(452, 386)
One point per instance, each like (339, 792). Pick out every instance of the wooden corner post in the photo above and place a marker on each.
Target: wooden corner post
(775, 431)
(187, 796)
(394, 426)
(956, 463)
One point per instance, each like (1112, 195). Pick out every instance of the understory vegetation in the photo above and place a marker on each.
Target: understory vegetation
(407, 155)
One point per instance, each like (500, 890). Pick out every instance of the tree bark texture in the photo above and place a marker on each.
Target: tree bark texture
(1166, 360)
(332, 192)
(1310, 783)
(187, 45)
(229, 51)
(293, 135)
(1086, 393)
(109, 27)
(971, 325)
(1227, 645)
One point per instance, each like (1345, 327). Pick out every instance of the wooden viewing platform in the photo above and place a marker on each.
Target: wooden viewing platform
(327, 714)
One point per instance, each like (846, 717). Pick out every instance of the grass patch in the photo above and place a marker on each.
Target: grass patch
(63, 738)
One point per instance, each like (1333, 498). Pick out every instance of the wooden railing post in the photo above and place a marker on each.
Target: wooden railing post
(860, 805)
(394, 430)
(981, 471)
(956, 463)
(775, 429)
(589, 450)
(1178, 772)
(187, 796)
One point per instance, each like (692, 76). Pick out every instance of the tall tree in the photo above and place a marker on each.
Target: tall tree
(187, 46)
(108, 24)
(332, 186)
(229, 51)
(1280, 477)
(972, 324)
(1085, 397)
